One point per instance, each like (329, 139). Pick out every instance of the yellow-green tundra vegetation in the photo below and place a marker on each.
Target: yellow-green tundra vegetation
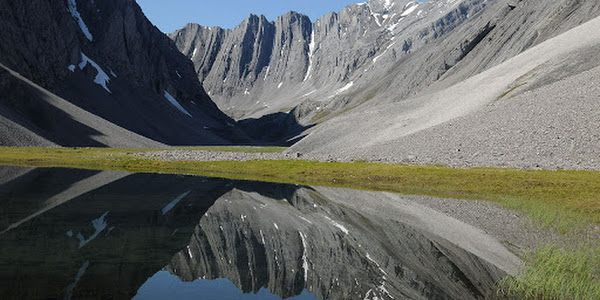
(565, 201)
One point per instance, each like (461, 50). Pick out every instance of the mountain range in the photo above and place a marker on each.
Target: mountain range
(481, 82)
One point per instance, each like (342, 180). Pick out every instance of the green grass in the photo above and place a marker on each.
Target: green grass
(558, 273)
(564, 200)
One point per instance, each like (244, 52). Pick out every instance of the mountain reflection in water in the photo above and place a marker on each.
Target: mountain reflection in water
(82, 234)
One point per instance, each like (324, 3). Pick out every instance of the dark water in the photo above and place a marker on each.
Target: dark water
(79, 234)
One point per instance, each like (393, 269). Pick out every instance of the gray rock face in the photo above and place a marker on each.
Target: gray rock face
(329, 242)
(33, 116)
(108, 59)
(387, 50)
(263, 67)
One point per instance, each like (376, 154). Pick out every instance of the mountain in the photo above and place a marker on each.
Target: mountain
(119, 80)
(364, 78)
(263, 67)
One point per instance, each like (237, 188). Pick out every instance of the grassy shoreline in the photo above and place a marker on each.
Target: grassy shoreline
(563, 200)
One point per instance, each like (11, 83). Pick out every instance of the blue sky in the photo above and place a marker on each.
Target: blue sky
(171, 15)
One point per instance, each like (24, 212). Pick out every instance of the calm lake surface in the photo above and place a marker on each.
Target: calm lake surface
(81, 234)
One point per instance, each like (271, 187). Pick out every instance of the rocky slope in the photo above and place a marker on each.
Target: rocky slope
(508, 115)
(384, 69)
(107, 59)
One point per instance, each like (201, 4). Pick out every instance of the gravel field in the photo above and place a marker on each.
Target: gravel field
(203, 155)
(557, 126)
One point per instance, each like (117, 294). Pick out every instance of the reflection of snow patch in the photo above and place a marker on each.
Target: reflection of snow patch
(172, 204)
(377, 264)
(338, 225)
(99, 225)
(174, 102)
(73, 284)
(305, 219)
(304, 257)
(75, 13)
(262, 237)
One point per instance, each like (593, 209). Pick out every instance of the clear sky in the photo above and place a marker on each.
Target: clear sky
(171, 15)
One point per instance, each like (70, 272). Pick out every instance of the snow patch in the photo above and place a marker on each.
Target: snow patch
(311, 52)
(75, 13)
(389, 4)
(276, 227)
(102, 78)
(309, 93)
(71, 68)
(179, 75)
(409, 8)
(195, 52)
(174, 102)
(172, 204)
(384, 52)
(345, 88)
(280, 84)
(376, 16)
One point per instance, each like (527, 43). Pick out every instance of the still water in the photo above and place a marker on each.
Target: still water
(80, 234)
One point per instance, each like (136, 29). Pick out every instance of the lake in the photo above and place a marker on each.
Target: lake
(82, 234)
